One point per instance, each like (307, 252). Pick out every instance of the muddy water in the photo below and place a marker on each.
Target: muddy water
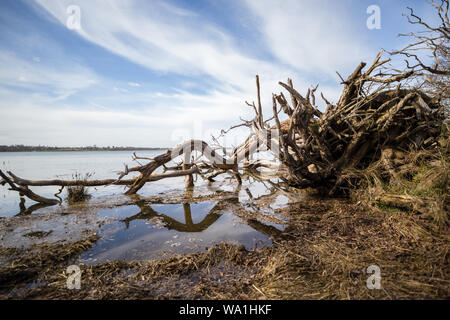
(155, 231)
(162, 221)
(146, 230)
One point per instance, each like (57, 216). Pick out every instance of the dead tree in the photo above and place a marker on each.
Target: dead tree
(431, 41)
(321, 148)
(315, 149)
(214, 162)
(377, 112)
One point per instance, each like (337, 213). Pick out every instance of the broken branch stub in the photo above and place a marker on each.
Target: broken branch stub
(216, 162)
(314, 148)
(321, 148)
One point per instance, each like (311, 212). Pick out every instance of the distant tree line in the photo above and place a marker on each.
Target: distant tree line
(21, 148)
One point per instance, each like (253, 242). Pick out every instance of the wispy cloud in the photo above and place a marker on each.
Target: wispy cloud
(158, 39)
(313, 36)
(134, 84)
(40, 77)
(200, 70)
(155, 36)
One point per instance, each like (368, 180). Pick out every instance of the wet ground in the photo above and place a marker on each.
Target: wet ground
(254, 241)
(156, 226)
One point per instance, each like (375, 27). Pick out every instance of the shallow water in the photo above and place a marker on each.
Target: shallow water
(63, 165)
(136, 228)
(156, 231)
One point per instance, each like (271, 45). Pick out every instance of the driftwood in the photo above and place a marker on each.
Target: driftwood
(319, 149)
(94, 183)
(315, 149)
(376, 113)
(215, 162)
(415, 204)
(25, 191)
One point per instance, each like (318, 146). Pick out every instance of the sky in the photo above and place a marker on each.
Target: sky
(151, 73)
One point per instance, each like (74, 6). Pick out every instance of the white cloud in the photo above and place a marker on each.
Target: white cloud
(105, 121)
(134, 84)
(314, 36)
(168, 39)
(62, 81)
(159, 39)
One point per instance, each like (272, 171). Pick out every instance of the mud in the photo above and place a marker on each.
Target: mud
(319, 249)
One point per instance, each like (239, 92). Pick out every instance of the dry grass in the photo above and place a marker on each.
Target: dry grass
(415, 181)
(331, 252)
(78, 193)
(322, 254)
(21, 266)
(399, 222)
(168, 278)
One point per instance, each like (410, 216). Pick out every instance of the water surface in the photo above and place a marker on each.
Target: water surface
(144, 229)
(63, 165)
(156, 231)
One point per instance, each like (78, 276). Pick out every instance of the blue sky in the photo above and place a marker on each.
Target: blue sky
(152, 73)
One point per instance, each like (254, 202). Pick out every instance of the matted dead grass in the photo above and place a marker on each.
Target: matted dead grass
(323, 254)
(332, 250)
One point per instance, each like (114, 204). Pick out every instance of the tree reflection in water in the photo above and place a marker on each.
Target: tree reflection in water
(148, 213)
(26, 211)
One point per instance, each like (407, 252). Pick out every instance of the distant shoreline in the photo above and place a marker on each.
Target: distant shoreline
(68, 149)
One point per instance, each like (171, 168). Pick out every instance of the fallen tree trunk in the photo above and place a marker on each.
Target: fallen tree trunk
(187, 147)
(314, 148)
(216, 162)
(407, 202)
(321, 150)
(96, 183)
(25, 191)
